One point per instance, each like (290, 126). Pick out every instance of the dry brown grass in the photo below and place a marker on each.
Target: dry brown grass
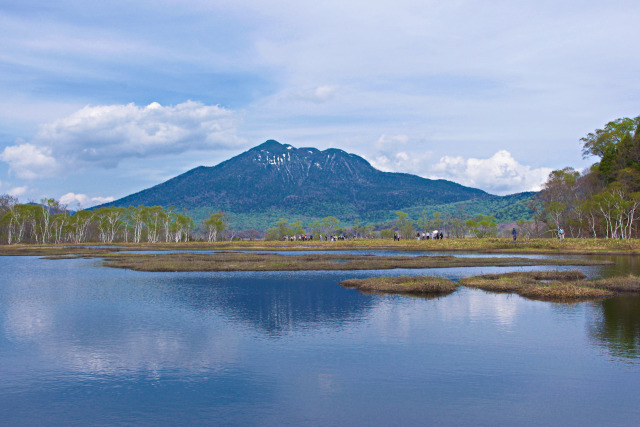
(558, 286)
(536, 275)
(403, 285)
(231, 261)
(563, 291)
(619, 284)
(506, 284)
(515, 281)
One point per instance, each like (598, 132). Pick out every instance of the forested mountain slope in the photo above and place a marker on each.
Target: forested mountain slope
(275, 179)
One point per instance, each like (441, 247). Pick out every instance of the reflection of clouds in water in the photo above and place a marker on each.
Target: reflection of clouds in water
(137, 348)
(397, 317)
(27, 320)
(148, 352)
(479, 306)
(500, 308)
(393, 320)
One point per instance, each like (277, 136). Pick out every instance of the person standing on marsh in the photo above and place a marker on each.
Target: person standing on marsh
(514, 233)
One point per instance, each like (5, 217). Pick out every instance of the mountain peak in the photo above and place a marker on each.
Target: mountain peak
(275, 177)
(273, 146)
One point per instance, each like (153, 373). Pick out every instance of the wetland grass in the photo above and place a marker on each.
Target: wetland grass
(553, 285)
(231, 261)
(629, 284)
(563, 291)
(424, 285)
(516, 281)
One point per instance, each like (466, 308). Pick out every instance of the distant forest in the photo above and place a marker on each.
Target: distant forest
(49, 222)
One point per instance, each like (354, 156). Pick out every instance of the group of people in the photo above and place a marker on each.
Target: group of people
(334, 238)
(307, 237)
(302, 237)
(435, 235)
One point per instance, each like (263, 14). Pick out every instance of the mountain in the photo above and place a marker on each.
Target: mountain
(276, 180)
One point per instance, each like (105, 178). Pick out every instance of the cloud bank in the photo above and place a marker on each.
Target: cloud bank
(103, 136)
(499, 174)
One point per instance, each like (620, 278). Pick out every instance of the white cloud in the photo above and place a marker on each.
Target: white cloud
(102, 136)
(18, 191)
(82, 201)
(29, 161)
(499, 174)
(391, 155)
(402, 161)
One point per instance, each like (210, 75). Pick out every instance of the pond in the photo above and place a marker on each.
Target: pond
(84, 344)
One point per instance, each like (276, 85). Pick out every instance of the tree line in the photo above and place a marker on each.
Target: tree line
(50, 222)
(457, 226)
(601, 201)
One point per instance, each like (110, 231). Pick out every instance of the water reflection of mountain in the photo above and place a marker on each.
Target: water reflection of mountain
(276, 304)
(618, 326)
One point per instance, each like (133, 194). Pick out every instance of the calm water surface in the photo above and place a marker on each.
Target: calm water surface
(81, 344)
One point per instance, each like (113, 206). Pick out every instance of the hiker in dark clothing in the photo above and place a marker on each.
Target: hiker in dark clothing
(514, 233)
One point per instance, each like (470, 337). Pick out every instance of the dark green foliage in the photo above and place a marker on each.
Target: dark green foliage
(607, 166)
(605, 200)
(618, 146)
(596, 143)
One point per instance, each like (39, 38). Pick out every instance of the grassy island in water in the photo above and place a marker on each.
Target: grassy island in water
(559, 286)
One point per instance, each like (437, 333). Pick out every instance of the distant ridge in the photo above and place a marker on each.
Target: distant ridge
(274, 179)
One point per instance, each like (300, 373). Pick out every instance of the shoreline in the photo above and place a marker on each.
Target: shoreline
(481, 246)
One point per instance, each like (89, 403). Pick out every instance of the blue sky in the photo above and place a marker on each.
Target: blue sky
(102, 99)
